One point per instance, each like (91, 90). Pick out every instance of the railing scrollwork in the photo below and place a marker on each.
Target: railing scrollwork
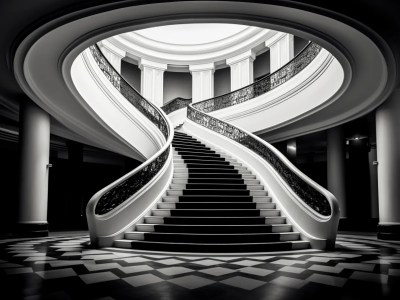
(142, 175)
(176, 104)
(264, 84)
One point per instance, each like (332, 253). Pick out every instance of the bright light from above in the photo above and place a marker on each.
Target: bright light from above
(191, 34)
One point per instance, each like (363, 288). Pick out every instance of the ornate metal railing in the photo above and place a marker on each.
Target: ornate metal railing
(128, 187)
(176, 104)
(264, 84)
(307, 193)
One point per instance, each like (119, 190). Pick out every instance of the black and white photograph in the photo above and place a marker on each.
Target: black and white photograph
(179, 150)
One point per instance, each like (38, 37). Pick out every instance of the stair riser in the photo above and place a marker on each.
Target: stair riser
(214, 221)
(218, 248)
(213, 192)
(213, 229)
(216, 238)
(215, 180)
(215, 213)
(215, 205)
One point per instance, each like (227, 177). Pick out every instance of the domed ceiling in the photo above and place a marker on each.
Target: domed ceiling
(191, 34)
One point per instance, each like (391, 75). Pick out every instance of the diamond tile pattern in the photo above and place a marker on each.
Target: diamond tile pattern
(46, 269)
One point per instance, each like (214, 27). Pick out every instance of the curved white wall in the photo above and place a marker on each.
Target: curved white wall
(302, 95)
(112, 108)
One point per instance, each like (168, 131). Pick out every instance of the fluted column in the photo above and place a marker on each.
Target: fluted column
(152, 81)
(34, 142)
(113, 54)
(281, 50)
(388, 153)
(336, 151)
(242, 73)
(202, 81)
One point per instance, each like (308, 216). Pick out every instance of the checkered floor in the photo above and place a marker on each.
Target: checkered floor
(67, 268)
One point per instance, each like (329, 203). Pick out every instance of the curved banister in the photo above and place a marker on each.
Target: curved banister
(175, 104)
(127, 186)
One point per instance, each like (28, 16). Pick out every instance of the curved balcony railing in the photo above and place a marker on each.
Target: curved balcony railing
(263, 85)
(124, 188)
(176, 104)
(308, 194)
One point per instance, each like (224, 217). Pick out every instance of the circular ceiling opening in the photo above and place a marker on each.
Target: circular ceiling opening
(191, 34)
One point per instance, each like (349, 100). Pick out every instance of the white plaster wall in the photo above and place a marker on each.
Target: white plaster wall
(113, 109)
(303, 94)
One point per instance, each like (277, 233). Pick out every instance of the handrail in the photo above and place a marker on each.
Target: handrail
(312, 197)
(125, 187)
(264, 84)
(175, 104)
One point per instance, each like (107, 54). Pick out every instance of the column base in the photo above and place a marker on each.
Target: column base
(31, 230)
(389, 231)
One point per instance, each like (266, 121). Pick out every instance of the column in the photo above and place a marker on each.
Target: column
(152, 82)
(241, 69)
(281, 50)
(388, 153)
(202, 81)
(113, 54)
(336, 158)
(34, 142)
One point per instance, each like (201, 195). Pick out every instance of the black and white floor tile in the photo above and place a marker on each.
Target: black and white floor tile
(361, 267)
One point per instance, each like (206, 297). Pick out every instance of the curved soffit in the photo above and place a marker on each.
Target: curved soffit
(136, 46)
(45, 57)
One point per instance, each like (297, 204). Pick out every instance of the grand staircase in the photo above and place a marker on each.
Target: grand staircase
(214, 204)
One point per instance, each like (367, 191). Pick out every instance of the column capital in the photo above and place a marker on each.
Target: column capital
(276, 38)
(238, 58)
(202, 67)
(152, 64)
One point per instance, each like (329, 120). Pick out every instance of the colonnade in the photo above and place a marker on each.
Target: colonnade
(241, 66)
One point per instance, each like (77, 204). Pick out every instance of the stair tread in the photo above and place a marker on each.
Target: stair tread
(214, 244)
(217, 234)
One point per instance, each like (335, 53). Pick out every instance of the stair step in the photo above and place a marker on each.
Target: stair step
(209, 158)
(258, 228)
(216, 180)
(217, 198)
(213, 175)
(215, 212)
(212, 248)
(214, 220)
(202, 161)
(214, 192)
(212, 238)
(250, 187)
(206, 166)
(215, 205)
(180, 146)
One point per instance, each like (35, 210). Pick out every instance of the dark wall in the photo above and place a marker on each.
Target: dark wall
(177, 84)
(73, 181)
(222, 81)
(131, 73)
(261, 65)
(9, 178)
